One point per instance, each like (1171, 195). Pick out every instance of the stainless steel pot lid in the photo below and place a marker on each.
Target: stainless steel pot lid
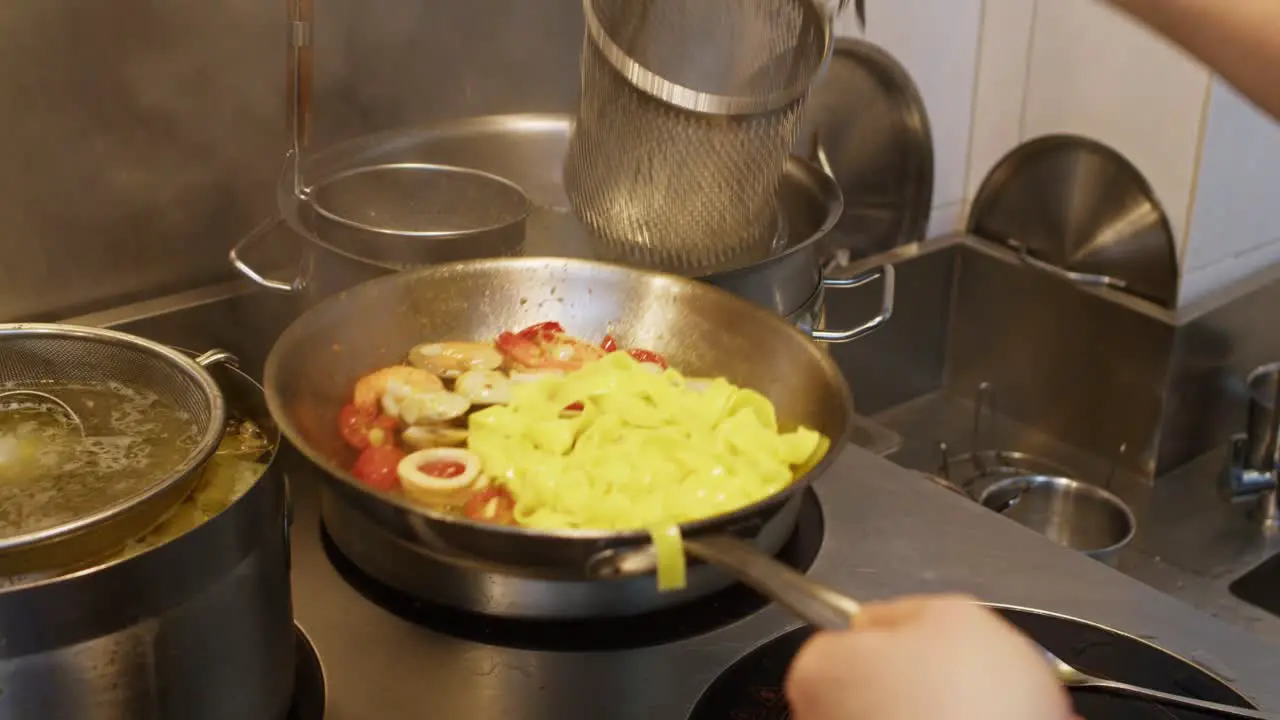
(1079, 209)
(146, 418)
(866, 124)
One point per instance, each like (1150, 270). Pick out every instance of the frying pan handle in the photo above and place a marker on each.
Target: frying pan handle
(253, 238)
(884, 272)
(815, 603)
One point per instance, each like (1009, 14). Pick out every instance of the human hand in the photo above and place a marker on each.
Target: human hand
(942, 658)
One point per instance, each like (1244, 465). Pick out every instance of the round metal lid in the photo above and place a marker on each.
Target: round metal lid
(1079, 209)
(146, 418)
(866, 124)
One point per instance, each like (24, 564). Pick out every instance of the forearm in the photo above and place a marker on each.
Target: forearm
(1240, 39)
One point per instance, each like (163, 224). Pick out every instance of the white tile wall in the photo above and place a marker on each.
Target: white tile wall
(1096, 72)
(994, 73)
(1235, 222)
(1004, 61)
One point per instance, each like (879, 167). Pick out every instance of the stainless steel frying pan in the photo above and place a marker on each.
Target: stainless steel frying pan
(701, 329)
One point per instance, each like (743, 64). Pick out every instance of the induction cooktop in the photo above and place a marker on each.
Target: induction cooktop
(393, 657)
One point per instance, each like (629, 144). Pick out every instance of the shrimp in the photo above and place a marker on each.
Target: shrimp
(451, 359)
(370, 388)
(561, 353)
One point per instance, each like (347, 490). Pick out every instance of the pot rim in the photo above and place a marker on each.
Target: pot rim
(92, 532)
(103, 567)
(311, 193)
(1057, 481)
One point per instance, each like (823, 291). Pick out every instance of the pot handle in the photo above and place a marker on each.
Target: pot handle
(245, 269)
(884, 272)
(815, 603)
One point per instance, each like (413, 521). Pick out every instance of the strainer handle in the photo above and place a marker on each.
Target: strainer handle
(217, 356)
(257, 235)
(884, 272)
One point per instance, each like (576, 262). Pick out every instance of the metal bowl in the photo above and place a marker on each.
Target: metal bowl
(1071, 513)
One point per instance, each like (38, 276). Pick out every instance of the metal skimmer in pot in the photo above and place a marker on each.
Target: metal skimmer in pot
(42, 530)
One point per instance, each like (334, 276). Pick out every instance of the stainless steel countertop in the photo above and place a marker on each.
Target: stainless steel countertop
(888, 532)
(1190, 543)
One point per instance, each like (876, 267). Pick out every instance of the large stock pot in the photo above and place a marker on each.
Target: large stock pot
(528, 151)
(198, 628)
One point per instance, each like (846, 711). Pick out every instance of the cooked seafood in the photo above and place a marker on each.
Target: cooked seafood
(390, 386)
(421, 437)
(451, 359)
(484, 387)
(571, 435)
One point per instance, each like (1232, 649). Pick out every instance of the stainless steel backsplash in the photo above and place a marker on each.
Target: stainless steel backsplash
(1121, 379)
(141, 139)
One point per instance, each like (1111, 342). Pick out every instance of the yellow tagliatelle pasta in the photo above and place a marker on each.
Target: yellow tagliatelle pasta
(649, 450)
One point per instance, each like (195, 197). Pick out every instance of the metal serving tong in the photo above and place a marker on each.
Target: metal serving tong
(827, 609)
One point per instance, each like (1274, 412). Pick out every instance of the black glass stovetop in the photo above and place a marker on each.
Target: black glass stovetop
(751, 689)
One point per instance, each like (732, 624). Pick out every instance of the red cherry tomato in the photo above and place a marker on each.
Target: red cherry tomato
(649, 356)
(443, 468)
(542, 332)
(609, 344)
(478, 506)
(355, 425)
(376, 467)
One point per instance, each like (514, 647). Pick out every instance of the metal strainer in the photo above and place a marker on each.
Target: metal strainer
(46, 527)
(688, 110)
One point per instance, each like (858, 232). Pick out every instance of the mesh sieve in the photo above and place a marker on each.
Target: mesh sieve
(44, 357)
(687, 112)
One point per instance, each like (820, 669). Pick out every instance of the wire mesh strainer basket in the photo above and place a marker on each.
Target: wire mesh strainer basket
(688, 110)
(48, 522)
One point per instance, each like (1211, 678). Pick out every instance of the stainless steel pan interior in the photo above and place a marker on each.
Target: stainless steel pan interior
(701, 329)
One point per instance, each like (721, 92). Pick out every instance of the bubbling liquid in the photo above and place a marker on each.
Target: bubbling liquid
(50, 474)
(239, 462)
